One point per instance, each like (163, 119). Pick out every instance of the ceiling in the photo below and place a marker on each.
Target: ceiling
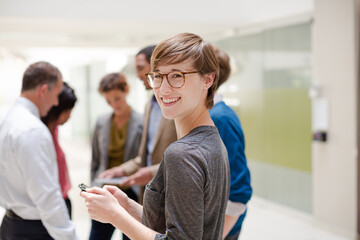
(120, 23)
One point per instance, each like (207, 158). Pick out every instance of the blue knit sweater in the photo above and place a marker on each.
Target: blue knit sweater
(229, 127)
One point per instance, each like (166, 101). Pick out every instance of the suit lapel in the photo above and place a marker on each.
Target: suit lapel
(130, 137)
(105, 138)
(160, 131)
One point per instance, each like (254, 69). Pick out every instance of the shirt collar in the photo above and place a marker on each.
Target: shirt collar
(218, 98)
(29, 105)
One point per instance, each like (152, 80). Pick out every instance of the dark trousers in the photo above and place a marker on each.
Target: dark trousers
(233, 237)
(14, 227)
(21, 229)
(104, 231)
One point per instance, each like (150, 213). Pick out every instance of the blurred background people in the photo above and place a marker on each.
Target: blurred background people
(29, 182)
(158, 134)
(116, 139)
(230, 130)
(58, 115)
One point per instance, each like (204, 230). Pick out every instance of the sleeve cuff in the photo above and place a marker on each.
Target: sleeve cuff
(235, 209)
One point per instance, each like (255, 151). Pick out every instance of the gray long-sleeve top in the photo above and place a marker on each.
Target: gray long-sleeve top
(188, 196)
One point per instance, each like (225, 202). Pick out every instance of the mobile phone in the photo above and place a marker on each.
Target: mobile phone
(83, 187)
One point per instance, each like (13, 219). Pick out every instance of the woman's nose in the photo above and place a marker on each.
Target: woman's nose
(165, 86)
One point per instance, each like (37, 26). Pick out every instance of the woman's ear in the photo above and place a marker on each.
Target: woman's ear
(208, 80)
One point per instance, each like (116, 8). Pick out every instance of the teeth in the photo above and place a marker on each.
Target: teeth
(170, 100)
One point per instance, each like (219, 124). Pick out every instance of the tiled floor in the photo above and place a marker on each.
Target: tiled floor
(264, 220)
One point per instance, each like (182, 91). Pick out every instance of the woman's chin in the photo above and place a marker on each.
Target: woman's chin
(168, 115)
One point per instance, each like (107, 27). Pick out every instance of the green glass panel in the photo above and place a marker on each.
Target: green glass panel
(268, 89)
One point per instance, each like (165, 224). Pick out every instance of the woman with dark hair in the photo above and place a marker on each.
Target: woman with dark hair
(187, 197)
(58, 115)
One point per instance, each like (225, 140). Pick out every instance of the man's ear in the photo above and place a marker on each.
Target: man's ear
(209, 80)
(43, 90)
(127, 88)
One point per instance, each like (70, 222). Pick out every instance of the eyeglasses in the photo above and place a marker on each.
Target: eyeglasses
(175, 79)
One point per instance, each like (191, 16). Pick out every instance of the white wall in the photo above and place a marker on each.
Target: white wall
(335, 51)
(122, 23)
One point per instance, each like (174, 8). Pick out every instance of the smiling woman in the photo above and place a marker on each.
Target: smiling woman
(179, 203)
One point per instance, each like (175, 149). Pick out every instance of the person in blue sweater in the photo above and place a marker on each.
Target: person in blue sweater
(229, 127)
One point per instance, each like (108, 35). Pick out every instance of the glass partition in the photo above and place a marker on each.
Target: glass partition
(268, 89)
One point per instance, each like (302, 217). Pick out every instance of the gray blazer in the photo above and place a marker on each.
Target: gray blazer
(101, 138)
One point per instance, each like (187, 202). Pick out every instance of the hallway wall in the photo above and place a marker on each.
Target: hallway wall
(335, 32)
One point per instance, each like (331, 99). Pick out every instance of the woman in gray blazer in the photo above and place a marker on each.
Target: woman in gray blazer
(116, 139)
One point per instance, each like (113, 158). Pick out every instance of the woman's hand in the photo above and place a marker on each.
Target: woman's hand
(112, 172)
(105, 205)
(102, 205)
(142, 177)
(121, 197)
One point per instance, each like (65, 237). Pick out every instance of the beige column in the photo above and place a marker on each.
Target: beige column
(336, 68)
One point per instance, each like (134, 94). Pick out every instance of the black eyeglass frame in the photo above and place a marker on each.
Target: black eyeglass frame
(166, 75)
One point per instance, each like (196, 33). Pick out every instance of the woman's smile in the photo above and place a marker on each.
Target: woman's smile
(170, 101)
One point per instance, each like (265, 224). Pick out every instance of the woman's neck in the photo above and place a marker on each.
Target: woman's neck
(185, 125)
(122, 119)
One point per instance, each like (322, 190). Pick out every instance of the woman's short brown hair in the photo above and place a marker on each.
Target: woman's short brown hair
(113, 81)
(186, 46)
